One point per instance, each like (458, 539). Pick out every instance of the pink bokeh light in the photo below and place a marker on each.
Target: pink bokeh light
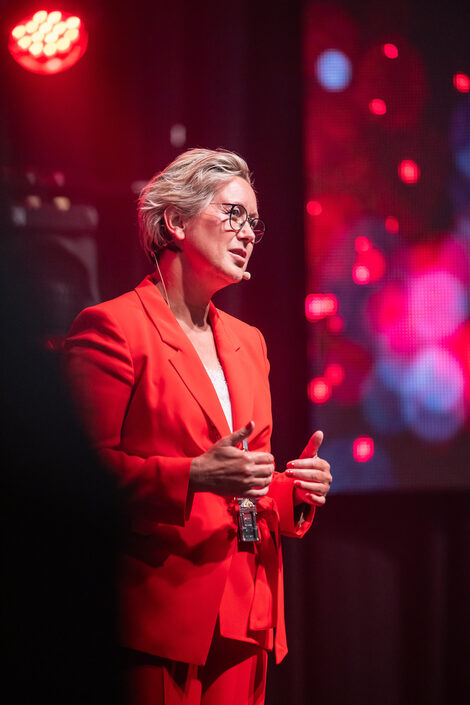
(314, 208)
(409, 171)
(392, 225)
(319, 390)
(377, 106)
(390, 50)
(462, 82)
(334, 373)
(363, 449)
(318, 306)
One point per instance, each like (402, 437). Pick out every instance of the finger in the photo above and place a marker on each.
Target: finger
(315, 487)
(311, 497)
(310, 475)
(313, 445)
(262, 470)
(317, 500)
(238, 436)
(307, 464)
(256, 492)
(259, 458)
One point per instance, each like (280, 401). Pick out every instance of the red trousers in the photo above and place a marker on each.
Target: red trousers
(235, 674)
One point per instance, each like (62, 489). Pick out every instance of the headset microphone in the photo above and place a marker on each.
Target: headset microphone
(246, 275)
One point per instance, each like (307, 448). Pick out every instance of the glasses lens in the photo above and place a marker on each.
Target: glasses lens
(238, 217)
(258, 228)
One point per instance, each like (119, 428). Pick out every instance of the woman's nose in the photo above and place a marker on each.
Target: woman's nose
(246, 233)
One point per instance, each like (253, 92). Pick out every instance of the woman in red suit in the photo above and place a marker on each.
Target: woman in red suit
(175, 395)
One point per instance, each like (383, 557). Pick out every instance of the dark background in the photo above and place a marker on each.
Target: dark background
(377, 594)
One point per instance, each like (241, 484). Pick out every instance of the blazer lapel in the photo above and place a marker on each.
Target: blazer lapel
(182, 354)
(237, 368)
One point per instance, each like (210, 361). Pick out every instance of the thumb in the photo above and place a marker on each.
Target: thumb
(237, 436)
(313, 445)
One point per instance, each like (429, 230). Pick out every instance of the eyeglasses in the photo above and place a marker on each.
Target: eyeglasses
(238, 216)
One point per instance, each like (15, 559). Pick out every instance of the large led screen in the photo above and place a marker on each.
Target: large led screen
(387, 163)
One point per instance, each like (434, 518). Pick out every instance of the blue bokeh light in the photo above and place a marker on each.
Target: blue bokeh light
(333, 70)
(435, 379)
(432, 426)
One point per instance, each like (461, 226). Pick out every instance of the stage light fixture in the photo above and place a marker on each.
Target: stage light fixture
(48, 42)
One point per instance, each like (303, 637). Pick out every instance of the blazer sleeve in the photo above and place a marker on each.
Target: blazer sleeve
(292, 523)
(100, 372)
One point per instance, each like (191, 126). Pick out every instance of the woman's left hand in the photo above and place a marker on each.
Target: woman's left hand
(311, 474)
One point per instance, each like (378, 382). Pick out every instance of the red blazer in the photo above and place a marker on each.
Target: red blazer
(150, 408)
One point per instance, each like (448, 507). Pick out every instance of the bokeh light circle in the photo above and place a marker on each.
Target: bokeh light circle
(333, 70)
(436, 380)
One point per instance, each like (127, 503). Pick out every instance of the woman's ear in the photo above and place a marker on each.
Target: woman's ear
(174, 222)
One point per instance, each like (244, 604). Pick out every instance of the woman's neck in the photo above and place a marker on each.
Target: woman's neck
(188, 298)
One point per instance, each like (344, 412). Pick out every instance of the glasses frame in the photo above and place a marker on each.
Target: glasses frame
(252, 222)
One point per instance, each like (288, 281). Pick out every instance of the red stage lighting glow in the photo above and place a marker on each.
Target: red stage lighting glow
(334, 373)
(319, 390)
(408, 171)
(314, 208)
(335, 324)
(462, 82)
(390, 51)
(391, 224)
(362, 244)
(363, 449)
(377, 106)
(318, 306)
(361, 274)
(48, 42)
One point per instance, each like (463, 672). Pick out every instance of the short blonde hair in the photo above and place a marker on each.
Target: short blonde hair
(189, 183)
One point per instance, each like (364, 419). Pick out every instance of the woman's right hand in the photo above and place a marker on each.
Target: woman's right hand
(226, 470)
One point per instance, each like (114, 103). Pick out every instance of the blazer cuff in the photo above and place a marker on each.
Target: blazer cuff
(282, 491)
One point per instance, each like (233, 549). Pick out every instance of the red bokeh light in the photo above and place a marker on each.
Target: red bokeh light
(335, 324)
(318, 306)
(363, 449)
(408, 171)
(377, 106)
(391, 224)
(314, 208)
(362, 244)
(462, 82)
(334, 373)
(390, 51)
(361, 274)
(48, 42)
(319, 390)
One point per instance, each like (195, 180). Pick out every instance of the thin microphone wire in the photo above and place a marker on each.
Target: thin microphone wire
(163, 282)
